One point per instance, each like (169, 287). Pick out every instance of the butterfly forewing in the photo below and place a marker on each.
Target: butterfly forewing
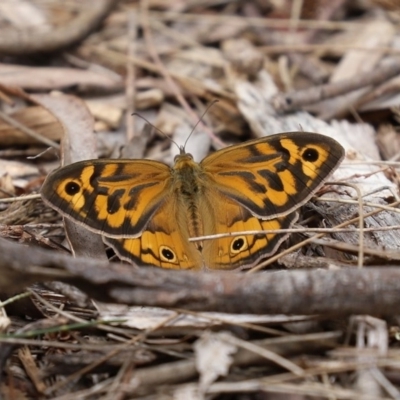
(274, 175)
(113, 197)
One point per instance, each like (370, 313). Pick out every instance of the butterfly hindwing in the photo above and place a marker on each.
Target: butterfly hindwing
(243, 250)
(164, 243)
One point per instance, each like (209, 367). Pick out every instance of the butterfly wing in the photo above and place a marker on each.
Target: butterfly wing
(243, 251)
(274, 175)
(164, 242)
(116, 198)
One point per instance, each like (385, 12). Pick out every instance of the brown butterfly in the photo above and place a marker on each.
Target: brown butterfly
(147, 211)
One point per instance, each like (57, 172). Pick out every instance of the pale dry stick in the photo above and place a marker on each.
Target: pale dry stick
(130, 90)
(366, 175)
(295, 13)
(382, 207)
(352, 201)
(257, 21)
(343, 246)
(276, 379)
(106, 357)
(343, 366)
(379, 189)
(116, 390)
(92, 392)
(321, 48)
(390, 163)
(293, 230)
(283, 61)
(30, 132)
(39, 154)
(384, 382)
(309, 240)
(326, 382)
(75, 61)
(383, 91)
(246, 325)
(14, 153)
(21, 198)
(144, 5)
(31, 369)
(41, 226)
(212, 62)
(57, 325)
(304, 390)
(284, 74)
(267, 354)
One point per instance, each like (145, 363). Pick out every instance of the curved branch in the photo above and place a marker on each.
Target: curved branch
(15, 42)
(374, 291)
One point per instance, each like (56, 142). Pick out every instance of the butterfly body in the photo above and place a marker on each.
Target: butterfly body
(190, 185)
(148, 211)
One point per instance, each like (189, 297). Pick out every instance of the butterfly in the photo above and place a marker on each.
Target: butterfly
(147, 211)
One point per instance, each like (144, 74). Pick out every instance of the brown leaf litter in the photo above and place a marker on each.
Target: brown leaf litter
(321, 318)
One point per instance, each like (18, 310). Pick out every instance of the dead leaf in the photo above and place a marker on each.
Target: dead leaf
(213, 357)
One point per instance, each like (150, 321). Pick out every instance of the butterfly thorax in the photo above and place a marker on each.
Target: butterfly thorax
(188, 182)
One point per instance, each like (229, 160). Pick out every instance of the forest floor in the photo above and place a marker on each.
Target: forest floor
(314, 313)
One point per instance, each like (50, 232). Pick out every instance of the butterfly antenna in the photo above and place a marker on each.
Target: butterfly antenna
(200, 120)
(157, 129)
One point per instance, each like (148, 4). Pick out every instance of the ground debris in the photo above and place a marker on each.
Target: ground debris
(118, 79)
